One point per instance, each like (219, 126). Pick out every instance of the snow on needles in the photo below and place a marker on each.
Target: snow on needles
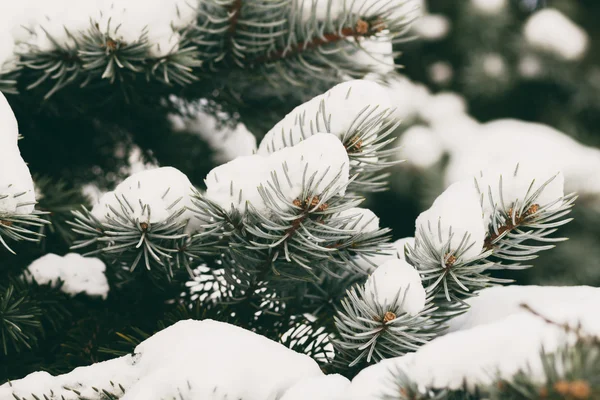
(48, 24)
(550, 30)
(318, 165)
(359, 219)
(336, 111)
(503, 188)
(191, 359)
(454, 223)
(17, 193)
(77, 274)
(397, 285)
(151, 196)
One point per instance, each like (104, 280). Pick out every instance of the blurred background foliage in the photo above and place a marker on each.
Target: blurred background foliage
(518, 82)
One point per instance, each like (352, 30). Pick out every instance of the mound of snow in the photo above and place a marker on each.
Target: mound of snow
(455, 215)
(150, 196)
(397, 284)
(78, 274)
(319, 163)
(192, 359)
(335, 111)
(17, 193)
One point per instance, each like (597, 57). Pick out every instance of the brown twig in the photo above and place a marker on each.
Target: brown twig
(362, 29)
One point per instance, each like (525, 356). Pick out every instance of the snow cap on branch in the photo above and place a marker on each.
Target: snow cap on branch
(400, 244)
(550, 30)
(358, 219)
(17, 193)
(6, 49)
(59, 22)
(78, 274)
(398, 285)
(339, 111)
(334, 9)
(518, 184)
(455, 218)
(321, 158)
(150, 196)
(376, 54)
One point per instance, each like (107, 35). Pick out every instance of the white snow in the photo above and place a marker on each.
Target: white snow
(17, 192)
(562, 304)
(326, 387)
(57, 22)
(407, 97)
(237, 182)
(361, 220)
(227, 142)
(489, 6)
(334, 112)
(376, 54)
(474, 356)
(545, 148)
(6, 49)
(420, 147)
(193, 359)
(443, 106)
(397, 285)
(519, 182)
(455, 213)
(377, 381)
(150, 196)
(78, 274)
(400, 245)
(550, 30)
(432, 27)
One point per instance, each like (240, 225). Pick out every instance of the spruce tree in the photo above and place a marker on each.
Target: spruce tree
(183, 215)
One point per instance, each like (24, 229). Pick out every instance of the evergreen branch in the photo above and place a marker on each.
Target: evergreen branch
(19, 321)
(370, 332)
(523, 222)
(8, 81)
(127, 241)
(361, 29)
(21, 227)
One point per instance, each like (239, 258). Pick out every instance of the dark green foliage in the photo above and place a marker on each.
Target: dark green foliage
(19, 321)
